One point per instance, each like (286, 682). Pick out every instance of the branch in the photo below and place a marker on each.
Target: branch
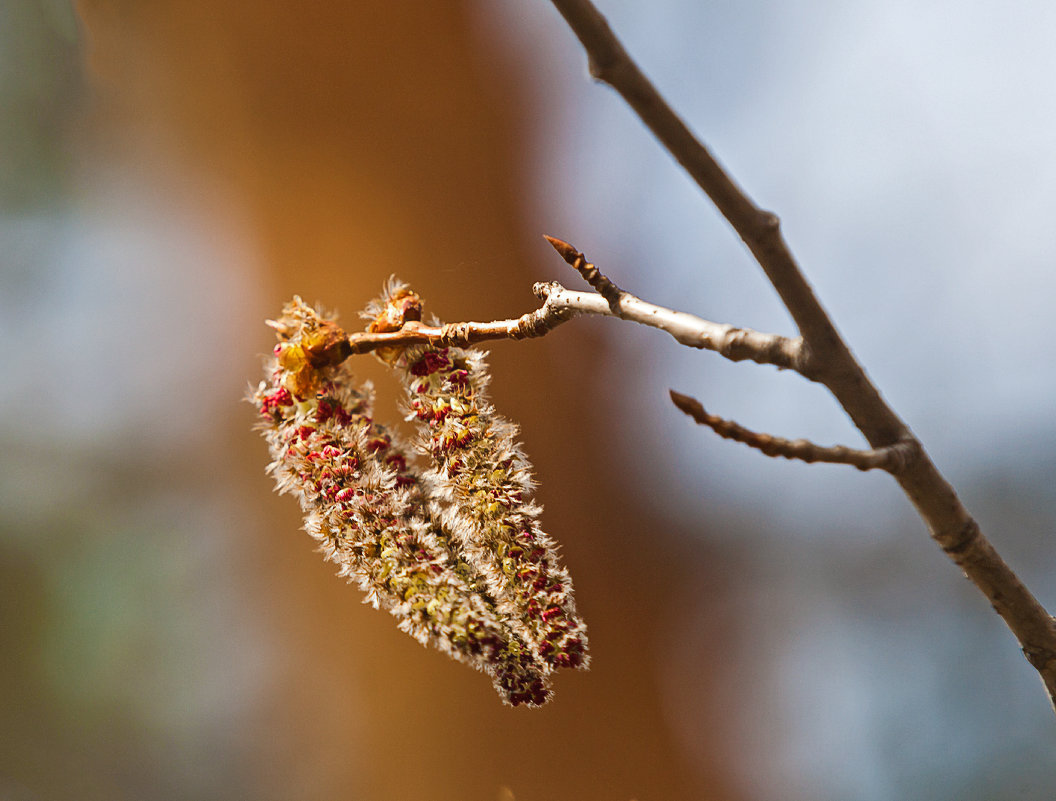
(561, 304)
(735, 344)
(533, 324)
(892, 458)
(826, 357)
(760, 230)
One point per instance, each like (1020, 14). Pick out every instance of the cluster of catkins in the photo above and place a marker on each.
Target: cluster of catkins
(454, 550)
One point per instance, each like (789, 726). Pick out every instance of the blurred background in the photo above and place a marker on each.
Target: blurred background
(170, 173)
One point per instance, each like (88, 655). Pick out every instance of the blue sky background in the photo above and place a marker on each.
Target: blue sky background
(908, 148)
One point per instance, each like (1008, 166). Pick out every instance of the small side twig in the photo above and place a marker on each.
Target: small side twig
(891, 458)
(591, 274)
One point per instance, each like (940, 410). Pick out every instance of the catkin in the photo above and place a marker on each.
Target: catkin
(484, 483)
(373, 515)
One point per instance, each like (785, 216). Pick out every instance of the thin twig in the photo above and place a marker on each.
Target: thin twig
(591, 274)
(826, 357)
(734, 343)
(561, 304)
(892, 458)
(533, 324)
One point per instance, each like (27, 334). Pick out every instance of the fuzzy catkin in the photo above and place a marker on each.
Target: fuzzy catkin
(374, 516)
(484, 482)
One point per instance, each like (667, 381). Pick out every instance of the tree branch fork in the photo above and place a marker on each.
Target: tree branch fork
(823, 355)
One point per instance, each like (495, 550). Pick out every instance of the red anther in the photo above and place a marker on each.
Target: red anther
(270, 402)
(344, 495)
(430, 362)
(552, 612)
(305, 431)
(458, 378)
(377, 444)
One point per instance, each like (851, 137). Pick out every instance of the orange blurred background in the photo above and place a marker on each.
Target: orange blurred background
(258, 152)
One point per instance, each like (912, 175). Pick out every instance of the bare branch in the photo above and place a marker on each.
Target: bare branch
(891, 458)
(731, 342)
(760, 229)
(825, 357)
(533, 324)
(561, 304)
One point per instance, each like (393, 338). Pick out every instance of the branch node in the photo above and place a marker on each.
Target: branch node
(456, 334)
(963, 540)
(542, 290)
(769, 222)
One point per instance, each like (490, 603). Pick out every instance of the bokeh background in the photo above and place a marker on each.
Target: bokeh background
(171, 172)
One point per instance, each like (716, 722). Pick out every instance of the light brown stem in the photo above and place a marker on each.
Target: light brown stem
(561, 304)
